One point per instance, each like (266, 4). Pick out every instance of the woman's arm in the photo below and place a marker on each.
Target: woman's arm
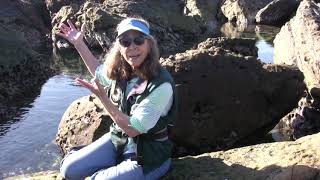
(75, 37)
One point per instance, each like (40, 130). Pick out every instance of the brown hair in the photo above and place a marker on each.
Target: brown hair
(117, 67)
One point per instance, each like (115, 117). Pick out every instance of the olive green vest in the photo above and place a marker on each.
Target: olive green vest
(151, 153)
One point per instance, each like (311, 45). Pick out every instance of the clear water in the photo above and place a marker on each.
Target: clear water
(27, 146)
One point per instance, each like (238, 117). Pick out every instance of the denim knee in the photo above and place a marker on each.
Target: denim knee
(69, 170)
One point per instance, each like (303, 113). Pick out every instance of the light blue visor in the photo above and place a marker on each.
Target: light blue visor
(132, 24)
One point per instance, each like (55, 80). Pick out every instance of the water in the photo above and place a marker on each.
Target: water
(264, 36)
(27, 146)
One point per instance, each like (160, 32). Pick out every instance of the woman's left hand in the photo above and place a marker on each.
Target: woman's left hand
(95, 87)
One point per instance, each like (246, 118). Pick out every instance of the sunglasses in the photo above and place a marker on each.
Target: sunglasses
(126, 41)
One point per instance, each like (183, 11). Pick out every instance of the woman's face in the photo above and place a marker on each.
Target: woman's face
(134, 47)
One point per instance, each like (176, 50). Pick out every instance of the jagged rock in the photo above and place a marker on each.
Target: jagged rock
(303, 120)
(299, 39)
(217, 86)
(242, 12)
(173, 30)
(296, 160)
(277, 12)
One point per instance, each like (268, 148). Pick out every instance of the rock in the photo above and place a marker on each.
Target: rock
(173, 30)
(242, 12)
(83, 122)
(28, 17)
(303, 120)
(22, 71)
(277, 12)
(300, 38)
(218, 87)
(206, 10)
(280, 160)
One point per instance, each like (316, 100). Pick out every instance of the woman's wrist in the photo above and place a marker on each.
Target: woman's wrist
(80, 44)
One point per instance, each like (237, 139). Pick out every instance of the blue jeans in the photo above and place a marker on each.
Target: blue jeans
(98, 161)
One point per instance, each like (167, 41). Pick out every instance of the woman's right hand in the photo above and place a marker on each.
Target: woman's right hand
(71, 33)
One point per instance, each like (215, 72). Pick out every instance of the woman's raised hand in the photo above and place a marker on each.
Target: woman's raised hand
(71, 33)
(95, 87)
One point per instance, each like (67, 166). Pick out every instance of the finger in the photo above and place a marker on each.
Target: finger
(65, 27)
(71, 25)
(61, 34)
(83, 27)
(84, 83)
(64, 31)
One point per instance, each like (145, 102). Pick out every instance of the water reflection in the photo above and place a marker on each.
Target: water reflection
(27, 144)
(26, 138)
(264, 36)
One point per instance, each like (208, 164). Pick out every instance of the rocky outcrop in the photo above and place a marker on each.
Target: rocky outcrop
(173, 30)
(22, 72)
(28, 17)
(216, 82)
(299, 39)
(281, 160)
(277, 12)
(217, 88)
(242, 12)
(303, 120)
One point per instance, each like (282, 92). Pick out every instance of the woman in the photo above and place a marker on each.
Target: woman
(140, 101)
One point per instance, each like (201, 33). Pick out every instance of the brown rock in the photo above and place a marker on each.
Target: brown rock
(242, 12)
(83, 122)
(299, 39)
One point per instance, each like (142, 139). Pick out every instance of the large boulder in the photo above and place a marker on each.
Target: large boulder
(277, 12)
(225, 94)
(242, 11)
(298, 42)
(280, 160)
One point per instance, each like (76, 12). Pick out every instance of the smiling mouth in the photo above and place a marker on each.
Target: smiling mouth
(133, 57)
